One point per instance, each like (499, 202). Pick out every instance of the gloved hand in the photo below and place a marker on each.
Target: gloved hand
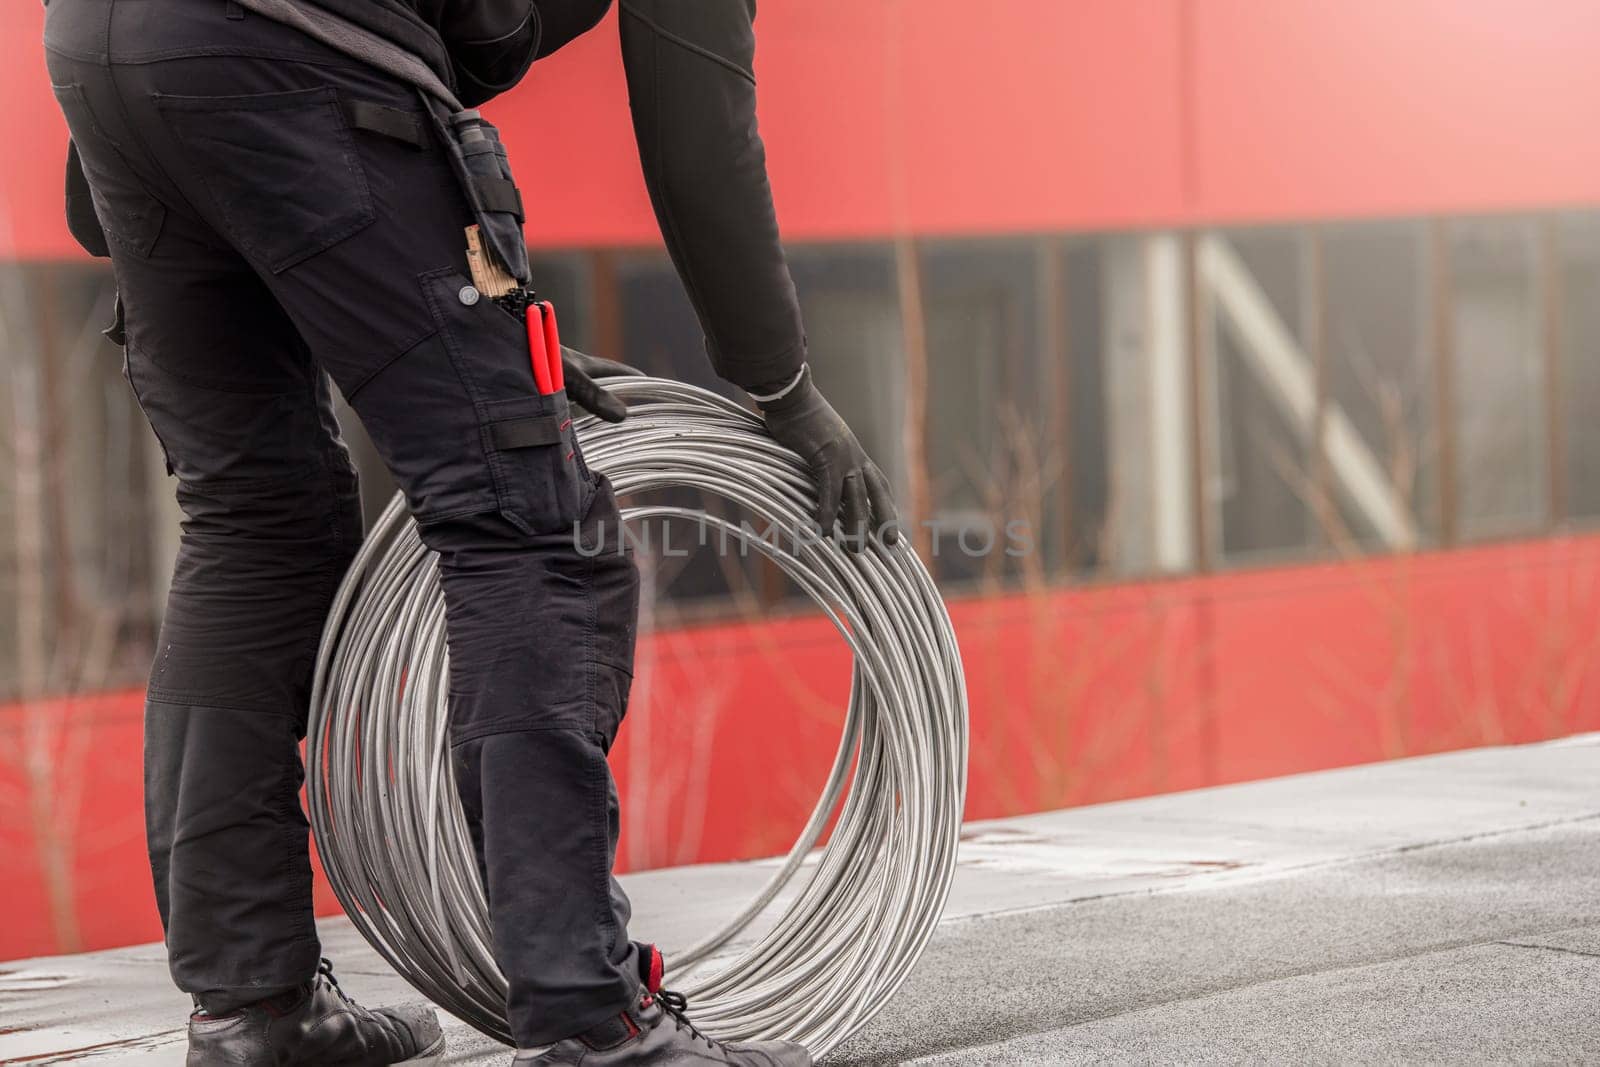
(582, 370)
(850, 487)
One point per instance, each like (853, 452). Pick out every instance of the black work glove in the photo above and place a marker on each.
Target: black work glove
(850, 488)
(581, 370)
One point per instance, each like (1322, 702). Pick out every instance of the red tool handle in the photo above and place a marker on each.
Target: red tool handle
(552, 347)
(544, 348)
(537, 354)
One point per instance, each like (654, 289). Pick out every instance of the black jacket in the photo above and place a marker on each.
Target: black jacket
(692, 92)
(480, 48)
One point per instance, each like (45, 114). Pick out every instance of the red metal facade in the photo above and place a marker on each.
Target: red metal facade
(945, 117)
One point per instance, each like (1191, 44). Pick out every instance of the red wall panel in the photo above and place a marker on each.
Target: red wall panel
(1304, 108)
(942, 117)
(1034, 116)
(33, 136)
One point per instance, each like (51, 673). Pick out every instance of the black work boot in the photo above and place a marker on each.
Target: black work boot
(657, 1031)
(315, 1026)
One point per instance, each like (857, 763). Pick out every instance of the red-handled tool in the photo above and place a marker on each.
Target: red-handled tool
(552, 347)
(544, 348)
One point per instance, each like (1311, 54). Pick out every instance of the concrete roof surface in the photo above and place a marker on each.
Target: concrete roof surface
(1436, 910)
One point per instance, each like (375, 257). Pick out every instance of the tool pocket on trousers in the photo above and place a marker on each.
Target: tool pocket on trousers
(281, 168)
(541, 483)
(105, 200)
(540, 480)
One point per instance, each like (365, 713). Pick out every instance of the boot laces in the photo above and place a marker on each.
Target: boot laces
(325, 970)
(677, 1006)
(390, 1023)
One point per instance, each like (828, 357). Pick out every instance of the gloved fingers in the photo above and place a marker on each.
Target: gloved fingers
(829, 488)
(597, 366)
(582, 390)
(855, 511)
(885, 518)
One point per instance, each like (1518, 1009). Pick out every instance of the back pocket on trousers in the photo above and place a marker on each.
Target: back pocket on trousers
(281, 168)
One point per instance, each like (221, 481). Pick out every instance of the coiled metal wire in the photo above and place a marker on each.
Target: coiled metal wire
(390, 830)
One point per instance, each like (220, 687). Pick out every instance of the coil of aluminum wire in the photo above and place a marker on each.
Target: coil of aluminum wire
(859, 913)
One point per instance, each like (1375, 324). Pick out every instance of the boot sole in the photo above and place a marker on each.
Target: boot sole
(427, 1057)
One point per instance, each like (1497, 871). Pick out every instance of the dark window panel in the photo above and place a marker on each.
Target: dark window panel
(563, 278)
(1087, 430)
(989, 439)
(1380, 365)
(90, 495)
(1501, 440)
(1579, 331)
(660, 333)
(1263, 459)
(850, 301)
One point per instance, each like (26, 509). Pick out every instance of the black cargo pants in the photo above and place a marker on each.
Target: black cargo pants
(277, 214)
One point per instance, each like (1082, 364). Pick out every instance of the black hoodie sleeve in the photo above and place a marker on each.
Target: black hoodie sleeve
(692, 91)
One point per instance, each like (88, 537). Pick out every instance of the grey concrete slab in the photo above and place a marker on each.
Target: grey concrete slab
(1144, 911)
(1263, 829)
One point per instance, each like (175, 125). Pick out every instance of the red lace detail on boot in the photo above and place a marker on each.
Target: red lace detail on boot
(658, 970)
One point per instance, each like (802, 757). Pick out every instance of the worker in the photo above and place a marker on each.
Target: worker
(279, 213)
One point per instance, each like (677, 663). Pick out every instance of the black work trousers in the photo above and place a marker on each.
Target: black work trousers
(278, 214)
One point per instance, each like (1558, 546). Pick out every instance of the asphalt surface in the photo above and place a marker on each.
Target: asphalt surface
(1441, 910)
(1480, 951)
